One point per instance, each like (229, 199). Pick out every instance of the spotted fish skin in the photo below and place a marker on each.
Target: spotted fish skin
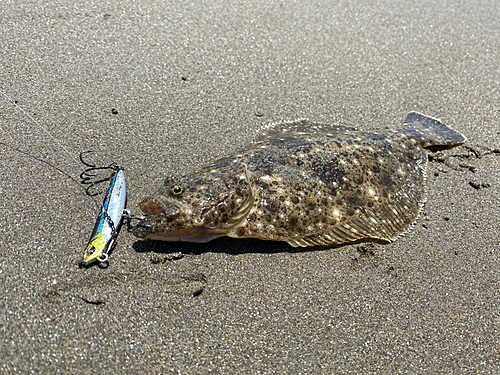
(304, 183)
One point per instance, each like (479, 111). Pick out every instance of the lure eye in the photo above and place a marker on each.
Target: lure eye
(176, 190)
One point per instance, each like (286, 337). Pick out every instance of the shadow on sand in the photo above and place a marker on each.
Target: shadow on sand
(229, 245)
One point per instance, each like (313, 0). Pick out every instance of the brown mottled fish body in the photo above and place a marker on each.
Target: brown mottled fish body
(304, 183)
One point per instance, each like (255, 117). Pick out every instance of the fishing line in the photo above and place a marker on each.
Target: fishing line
(40, 160)
(85, 171)
(39, 125)
(113, 210)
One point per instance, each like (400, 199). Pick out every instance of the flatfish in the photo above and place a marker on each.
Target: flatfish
(304, 183)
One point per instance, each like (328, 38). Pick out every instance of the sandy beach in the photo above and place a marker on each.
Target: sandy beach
(164, 87)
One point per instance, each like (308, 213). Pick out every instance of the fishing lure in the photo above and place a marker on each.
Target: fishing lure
(109, 220)
(113, 210)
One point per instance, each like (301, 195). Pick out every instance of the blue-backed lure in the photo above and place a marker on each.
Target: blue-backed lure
(108, 222)
(112, 212)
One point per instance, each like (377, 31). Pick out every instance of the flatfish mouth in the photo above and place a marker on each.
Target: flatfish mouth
(304, 183)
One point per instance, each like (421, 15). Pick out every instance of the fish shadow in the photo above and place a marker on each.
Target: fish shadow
(226, 245)
(233, 246)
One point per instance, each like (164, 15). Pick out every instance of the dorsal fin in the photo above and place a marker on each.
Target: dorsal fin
(302, 128)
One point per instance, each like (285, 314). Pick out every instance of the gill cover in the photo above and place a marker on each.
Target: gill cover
(200, 206)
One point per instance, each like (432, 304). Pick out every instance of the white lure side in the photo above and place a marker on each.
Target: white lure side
(108, 222)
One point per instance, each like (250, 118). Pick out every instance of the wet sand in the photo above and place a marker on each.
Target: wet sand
(163, 88)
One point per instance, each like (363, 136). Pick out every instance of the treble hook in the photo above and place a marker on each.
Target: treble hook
(86, 176)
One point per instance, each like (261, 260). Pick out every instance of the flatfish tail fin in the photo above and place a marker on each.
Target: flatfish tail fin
(433, 132)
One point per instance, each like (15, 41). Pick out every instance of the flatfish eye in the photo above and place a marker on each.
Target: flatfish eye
(177, 189)
(170, 180)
